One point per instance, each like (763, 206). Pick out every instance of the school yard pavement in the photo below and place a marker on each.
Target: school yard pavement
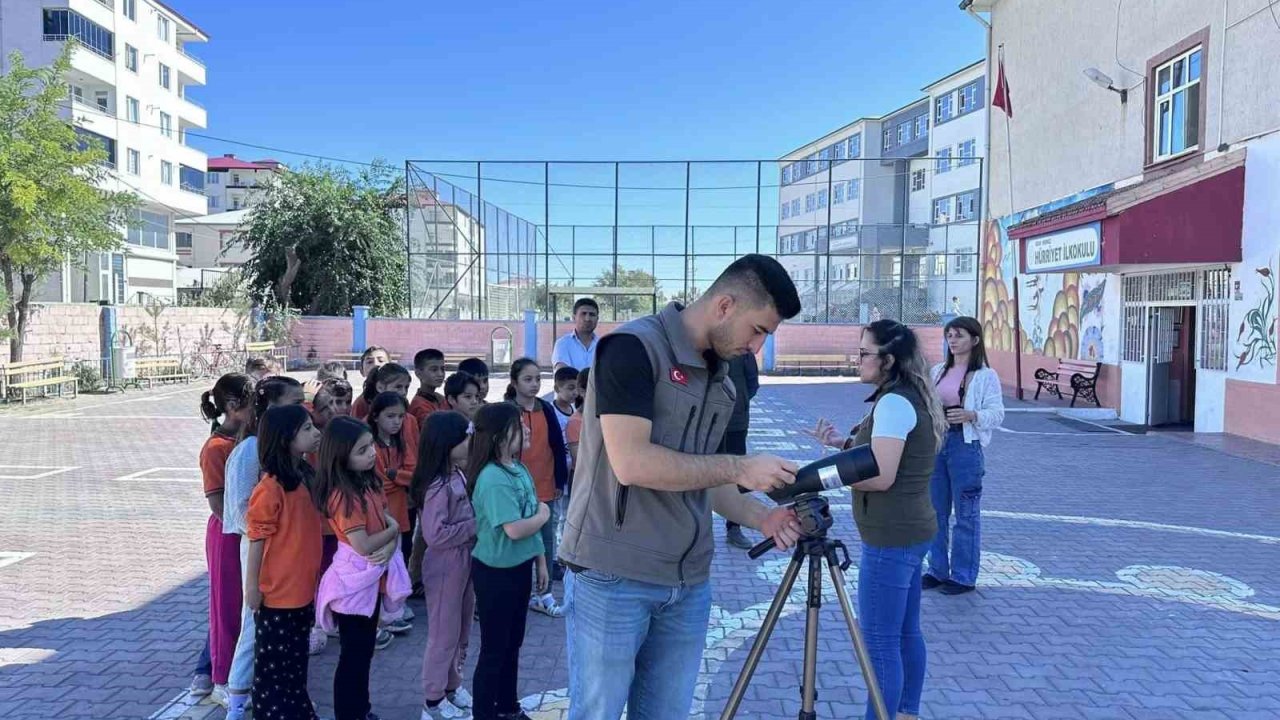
(1125, 576)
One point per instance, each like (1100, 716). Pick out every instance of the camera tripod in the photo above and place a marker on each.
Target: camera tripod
(815, 518)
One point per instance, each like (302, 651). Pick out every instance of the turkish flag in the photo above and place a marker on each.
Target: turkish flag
(1002, 99)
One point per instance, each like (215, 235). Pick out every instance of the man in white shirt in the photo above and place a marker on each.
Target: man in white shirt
(578, 349)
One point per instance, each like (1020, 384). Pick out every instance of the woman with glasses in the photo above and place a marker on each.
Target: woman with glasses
(893, 511)
(973, 401)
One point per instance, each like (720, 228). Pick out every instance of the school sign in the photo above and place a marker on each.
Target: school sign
(1074, 247)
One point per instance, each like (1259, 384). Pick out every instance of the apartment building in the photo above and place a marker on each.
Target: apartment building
(233, 184)
(1133, 202)
(868, 226)
(131, 71)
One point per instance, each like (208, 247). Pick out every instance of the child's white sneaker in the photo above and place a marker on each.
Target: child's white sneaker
(460, 698)
(445, 711)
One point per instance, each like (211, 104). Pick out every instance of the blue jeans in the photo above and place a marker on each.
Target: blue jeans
(889, 611)
(633, 644)
(549, 534)
(957, 482)
(204, 663)
(241, 675)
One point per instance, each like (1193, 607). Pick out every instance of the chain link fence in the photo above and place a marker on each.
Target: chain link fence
(862, 239)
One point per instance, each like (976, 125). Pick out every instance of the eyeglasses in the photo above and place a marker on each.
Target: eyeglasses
(864, 354)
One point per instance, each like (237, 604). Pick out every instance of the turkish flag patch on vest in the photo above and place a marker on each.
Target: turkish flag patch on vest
(678, 377)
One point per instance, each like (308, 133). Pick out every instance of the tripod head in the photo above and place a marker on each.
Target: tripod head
(814, 513)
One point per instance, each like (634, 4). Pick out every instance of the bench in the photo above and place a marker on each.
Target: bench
(269, 349)
(19, 378)
(1078, 376)
(451, 359)
(830, 362)
(159, 369)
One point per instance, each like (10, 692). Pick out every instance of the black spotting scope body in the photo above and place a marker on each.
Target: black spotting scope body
(834, 471)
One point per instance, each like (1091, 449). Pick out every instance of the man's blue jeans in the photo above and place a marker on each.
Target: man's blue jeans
(633, 644)
(889, 612)
(957, 483)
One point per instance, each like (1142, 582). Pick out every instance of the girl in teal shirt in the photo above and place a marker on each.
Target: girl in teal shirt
(508, 549)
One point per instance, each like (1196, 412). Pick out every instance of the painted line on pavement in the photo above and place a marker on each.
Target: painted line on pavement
(49, 470)
(121, 401)
(1133, 525)
(145, 476)
(11, 558)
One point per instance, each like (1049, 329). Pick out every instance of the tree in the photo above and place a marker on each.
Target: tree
(627, 306)
(323, 240)
(54, 205)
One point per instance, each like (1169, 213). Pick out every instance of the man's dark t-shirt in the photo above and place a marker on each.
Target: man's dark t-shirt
(624, 376)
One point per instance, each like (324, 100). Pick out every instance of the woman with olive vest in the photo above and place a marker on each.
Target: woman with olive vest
(971, 397)
(893, 511)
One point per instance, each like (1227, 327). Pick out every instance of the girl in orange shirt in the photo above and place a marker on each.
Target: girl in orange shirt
(230, 400)
(545, 456)
(397, 456)
(284, 563)
(351, 497)
(373, 357)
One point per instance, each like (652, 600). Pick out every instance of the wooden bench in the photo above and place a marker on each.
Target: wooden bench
(1078, 376)
(159, 369)
(837, 363)
(451, 359)
(269, 349)
(20, 378)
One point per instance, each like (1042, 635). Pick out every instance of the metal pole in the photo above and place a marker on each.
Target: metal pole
(408, 250)
(546, 236)
(688, 169)
(831, 200)
(616, 170)
(484, 250)
(902, 283)
(759, 179)
(977, 261)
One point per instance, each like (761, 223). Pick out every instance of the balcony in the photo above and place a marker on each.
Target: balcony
(192, 113)
(190, 68)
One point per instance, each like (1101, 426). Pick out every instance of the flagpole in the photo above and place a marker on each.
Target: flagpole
(1008, 139)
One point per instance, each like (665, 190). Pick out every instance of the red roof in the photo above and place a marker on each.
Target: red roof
(231, 162)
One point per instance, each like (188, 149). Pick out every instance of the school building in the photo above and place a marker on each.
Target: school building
(1134, 204)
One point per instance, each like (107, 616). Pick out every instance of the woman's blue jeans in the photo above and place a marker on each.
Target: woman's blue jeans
(889, 612)
(957, 483)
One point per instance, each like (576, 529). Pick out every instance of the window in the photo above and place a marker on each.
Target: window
(786, 175)
(148, 229)
(854, 188)
(809, 203)
(855, 146)
(191, 179)
(786, 210)
(166, 172)
(795, 207)
(215, 202)
(131, 9)
(166, 124)
(922, 125)
(888, 138)
(940, 265)
(133, 162)
(838, 190)
(904, 132)
(182, 241)
(945, 108)
(215, 178)
(131, 58)
(942, 211)
(968, 149)
(102, 99)
(235, 179)
(822, 199)
(134, 115)
(963, 264)
(1177, 105)
(943, 163)
(66, 24)
(969, 98)
(162, 27)
(966, 206)
(811, 166)
(164, 76)
(917, 180)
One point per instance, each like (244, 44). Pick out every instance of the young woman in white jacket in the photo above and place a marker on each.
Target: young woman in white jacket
(971, 396)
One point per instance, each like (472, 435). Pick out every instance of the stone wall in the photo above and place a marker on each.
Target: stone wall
(61, 330)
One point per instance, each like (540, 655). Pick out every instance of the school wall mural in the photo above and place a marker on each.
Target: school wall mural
(1062, 315)
(1252, 330)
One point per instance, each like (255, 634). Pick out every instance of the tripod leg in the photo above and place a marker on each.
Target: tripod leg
(762, 638)
(859, 646)
(808, 687)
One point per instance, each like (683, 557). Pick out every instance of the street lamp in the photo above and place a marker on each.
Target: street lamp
(1104, 81)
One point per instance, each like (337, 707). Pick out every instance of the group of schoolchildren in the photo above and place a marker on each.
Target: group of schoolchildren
(331, 508)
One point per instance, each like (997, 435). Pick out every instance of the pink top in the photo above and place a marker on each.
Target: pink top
(350, 587)
(949, 386)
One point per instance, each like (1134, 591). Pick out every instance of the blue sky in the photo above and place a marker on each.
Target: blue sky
(607, 79)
